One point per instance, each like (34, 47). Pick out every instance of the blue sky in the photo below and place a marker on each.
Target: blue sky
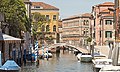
(73, 7)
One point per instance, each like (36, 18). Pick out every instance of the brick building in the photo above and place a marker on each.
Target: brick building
(103, 31)
(76, 29)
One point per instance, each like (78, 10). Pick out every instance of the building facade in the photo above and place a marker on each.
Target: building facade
(103, 31)
(51, 13)
(60, 31)
(117, 19)
(76, 29)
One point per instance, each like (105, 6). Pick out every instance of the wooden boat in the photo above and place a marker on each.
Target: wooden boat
(110, 69)
(99, 63)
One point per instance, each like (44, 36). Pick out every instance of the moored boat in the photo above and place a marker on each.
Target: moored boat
(10, 66)
(84, 58)
(99, 63)
(110, 69)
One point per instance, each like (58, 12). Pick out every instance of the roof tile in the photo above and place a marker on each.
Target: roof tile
(44, 5)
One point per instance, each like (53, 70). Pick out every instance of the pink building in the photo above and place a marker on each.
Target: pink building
(102, 25)
(76, 29)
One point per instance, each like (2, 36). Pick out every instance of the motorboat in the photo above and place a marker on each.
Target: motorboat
(110, 69)
(99, 63)
(84, 58)
(78, 56)
(10, 66)
(48, 55)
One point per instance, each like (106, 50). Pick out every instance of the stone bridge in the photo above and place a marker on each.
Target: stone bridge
(83, 50)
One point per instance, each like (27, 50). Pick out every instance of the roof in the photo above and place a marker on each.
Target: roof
(106, 4)
(72, 17)
(44, 5)
(86, 15)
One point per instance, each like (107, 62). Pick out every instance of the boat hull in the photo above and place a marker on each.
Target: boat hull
(9, 71)
(86, 58)
(96, 69)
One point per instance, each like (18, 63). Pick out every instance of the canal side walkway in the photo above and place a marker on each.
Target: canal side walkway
(81, 49)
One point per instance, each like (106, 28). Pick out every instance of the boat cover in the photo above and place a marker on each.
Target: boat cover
(10, 65)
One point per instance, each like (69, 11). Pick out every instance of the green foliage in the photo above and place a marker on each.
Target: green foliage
(15, 15)
(49, 38)
(38, 21)
(89, 39)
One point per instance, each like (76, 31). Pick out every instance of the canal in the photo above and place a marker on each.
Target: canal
(61, 62)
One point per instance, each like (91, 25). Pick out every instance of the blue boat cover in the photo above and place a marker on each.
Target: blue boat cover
(10, 65)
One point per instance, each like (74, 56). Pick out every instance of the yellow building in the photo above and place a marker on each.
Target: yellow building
(51, 13)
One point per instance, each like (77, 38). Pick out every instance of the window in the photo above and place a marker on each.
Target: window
(37, 7)
(108, 22)
(47, 17)
(87, 22)
(83, 32)
(93, 35)
(108, 34)
(100, 34)
(47, 28)
(94, 23)
(54, 28)
(54, 17)
(84, 22)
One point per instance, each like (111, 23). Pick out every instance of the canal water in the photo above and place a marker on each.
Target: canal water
(61, 62)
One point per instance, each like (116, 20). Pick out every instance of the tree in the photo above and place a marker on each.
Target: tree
(38, 24)
(15, 15)
(89, 39)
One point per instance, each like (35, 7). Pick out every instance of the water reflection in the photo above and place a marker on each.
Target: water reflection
(60, 62)
(57, 56)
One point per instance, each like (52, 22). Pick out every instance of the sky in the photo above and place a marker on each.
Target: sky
(73, 7)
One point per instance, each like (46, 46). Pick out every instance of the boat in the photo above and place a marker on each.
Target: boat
(48, 55)
(110, 69)
(99, 63)
(10, 66)
(84, 58)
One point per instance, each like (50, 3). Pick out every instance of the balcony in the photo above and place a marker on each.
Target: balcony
(71, 36)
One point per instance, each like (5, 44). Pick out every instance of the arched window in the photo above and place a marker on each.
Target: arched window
(87, 22)
(84, 22)
(54, 28)
(47, 28)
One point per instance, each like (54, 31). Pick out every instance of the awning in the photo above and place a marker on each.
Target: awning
(9, 39)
